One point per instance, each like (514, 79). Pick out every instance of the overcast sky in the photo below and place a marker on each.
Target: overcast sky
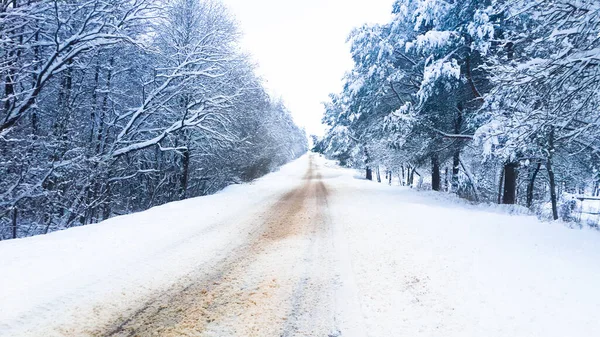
(300, 47)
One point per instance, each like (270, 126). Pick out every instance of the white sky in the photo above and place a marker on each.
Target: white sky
(300, 47)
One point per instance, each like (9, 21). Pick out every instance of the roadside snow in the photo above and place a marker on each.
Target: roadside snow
(430, 266)
(124, 260)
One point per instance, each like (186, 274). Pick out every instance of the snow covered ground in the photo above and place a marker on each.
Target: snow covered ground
(306, 250)
(90, 274)
(432, 267)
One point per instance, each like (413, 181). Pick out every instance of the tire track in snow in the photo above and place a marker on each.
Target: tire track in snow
(279, 284)
(312, 299)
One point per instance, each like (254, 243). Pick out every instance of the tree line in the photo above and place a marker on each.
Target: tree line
(114, 106)
(496, 100)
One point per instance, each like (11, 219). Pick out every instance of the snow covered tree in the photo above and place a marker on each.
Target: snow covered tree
(414, 77)
(110, 107)
(496, 89)
(543, 108)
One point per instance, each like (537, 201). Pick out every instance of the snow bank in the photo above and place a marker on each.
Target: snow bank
(122, 260)
(427, 266)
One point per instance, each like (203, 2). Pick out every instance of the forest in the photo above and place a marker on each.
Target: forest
(493, 100)
(109, 107)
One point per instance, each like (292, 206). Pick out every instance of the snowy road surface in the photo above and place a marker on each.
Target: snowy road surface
(306, 251)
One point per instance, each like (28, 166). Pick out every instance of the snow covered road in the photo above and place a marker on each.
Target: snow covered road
(253, 260)
(306, 251)
(279, 283)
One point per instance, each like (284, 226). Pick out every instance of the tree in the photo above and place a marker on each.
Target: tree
(490, 88)
(111, 107)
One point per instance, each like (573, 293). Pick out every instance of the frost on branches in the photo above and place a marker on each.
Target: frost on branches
(493, 100)
(114, 106)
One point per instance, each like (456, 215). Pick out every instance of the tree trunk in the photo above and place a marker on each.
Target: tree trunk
(378, 174)
(15, 212)
(48, 222)
(107, 205)
(36, 57)
(559, 188)
(446, 179)
(551, 178)
(369, 174)
(390, 177)
(103, 131)
(552, 189)
(510, 183)
(403, 180)
(94, 108)
(414, 171)
(500, 186)
(412, 177)
(471, 180)
(88, 211)
(456, 156)
(185, 173)
(455, 170)
(435, 173)
(531, 185)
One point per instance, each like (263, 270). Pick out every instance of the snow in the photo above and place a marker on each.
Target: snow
(356, 86)
(433, 72)
(482, 30)
(125, 259)
(430, 12)
(435, 266)
(432, 40)
(407, 263)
